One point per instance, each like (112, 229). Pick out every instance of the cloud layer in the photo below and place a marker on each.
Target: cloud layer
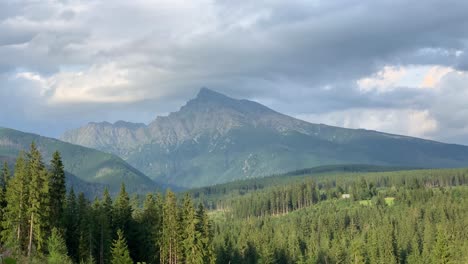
(396, 66)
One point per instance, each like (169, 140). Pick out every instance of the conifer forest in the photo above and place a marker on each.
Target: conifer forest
(413, 216)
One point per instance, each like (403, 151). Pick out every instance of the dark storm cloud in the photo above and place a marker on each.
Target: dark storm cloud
(110, 58)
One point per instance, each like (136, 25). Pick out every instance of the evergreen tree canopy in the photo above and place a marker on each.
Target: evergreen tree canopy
(394, 217)
(58, 190)
(39, 209)
(120, 254)
(57, 249)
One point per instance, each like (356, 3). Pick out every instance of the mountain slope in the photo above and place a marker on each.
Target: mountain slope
(88, 165)
(215, 138)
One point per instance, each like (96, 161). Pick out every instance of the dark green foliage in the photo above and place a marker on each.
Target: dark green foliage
(417, 216)
(81, 231)
(71, 224)
(425, 223)
(39, 202)
(104, 228)
(204, 230)
(57, 192)
(86, 229)
(191, 236)
(149, 229)
(15, 217)
(170, 247)
(122, 211)
(4, 179)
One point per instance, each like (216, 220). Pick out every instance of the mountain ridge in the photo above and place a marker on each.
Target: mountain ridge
(214, 138)
(86, 164)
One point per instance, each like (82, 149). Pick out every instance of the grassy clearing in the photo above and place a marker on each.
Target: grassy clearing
(365, 202)
(217, 214)
(388, 200)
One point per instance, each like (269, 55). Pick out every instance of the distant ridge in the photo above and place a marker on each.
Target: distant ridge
(84, 166)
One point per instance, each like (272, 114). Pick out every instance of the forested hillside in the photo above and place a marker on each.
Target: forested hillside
(339, 214)
(390, 217)
(41, 223)
(89, 168)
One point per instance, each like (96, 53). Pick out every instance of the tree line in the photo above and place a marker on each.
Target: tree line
(425, 223)
(42, 222)
(250, 198)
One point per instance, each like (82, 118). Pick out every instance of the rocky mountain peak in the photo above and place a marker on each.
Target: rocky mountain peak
(210, 95)
(209, 100)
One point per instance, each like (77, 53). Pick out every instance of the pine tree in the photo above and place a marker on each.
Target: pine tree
(104, 228)
(14, 223)
(120, 254)
(57, 249)
(85, 229)
(122, 211)
(71, 224)
(149, 230)
(170, 236)
(57, 191)
(203, 226)
(192, 244)
(4, 179)
(441, 252)
(38, 211)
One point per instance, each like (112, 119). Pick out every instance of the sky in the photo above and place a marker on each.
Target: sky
(396, 66)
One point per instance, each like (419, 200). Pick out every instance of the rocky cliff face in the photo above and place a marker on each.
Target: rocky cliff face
(210, 113)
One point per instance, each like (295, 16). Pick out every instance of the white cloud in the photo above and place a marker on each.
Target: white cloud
(384, 80)
(417, 123)
(98, 84)
(434, 76)
(396, 77)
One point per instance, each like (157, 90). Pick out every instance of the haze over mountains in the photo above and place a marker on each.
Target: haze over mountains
(215, 138)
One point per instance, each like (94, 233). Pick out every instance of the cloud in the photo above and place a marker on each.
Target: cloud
(417, 123)
(397, 77)
(101, 60)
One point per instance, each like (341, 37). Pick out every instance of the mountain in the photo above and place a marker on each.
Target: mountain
(86, 168)
(215, 138)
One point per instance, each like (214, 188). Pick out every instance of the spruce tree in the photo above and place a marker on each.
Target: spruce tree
(57, 249)
(122, 211)
(120, 254)
(85, 229)
(441, 252)
(192, 244)
(105, 228)
(15, 218)
(149, 231)
(38, 211)
(203, 226)
(57, 191)
(4, 178)
(71, 224)
(170, 235)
